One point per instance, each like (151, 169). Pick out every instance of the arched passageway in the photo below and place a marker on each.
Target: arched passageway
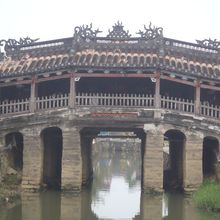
(210, 157)
(173, 150)
(52, 142)
(112, 156)
(14, 146)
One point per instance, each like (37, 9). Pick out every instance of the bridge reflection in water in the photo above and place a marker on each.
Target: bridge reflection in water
(115, 194)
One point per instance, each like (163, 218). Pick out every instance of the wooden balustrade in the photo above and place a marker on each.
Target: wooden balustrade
(14, 106)
(210, 110)
(52, 102)
(119, 100)
(177, 104)
(108, 100)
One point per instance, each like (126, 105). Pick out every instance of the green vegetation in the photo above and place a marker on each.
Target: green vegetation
(208, 196)
(9, 188)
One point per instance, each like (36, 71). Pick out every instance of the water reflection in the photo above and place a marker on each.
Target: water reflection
(115, 194)
(116, 185)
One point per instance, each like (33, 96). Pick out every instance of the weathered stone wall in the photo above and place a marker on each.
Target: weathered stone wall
(71, 160)
(193, 160)
(153, 160)
(71, 122)
(32, 159)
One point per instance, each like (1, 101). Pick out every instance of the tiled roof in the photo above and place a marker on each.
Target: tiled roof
(124, 53)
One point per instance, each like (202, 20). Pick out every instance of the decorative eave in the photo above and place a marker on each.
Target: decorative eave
(117, 52)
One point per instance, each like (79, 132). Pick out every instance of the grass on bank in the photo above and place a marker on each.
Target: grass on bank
(9, 188)
(208, 197)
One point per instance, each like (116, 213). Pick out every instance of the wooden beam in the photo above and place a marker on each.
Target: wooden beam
(182, 81)
(15, 83)
(211, 87)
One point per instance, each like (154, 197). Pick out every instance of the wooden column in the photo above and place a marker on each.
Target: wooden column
(157, 91)
(197, 97)
(33, 94)
(72, 95)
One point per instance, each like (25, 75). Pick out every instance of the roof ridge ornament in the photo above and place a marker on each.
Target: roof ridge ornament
(150, 32)
(118, 32)
(12, 44)
(85, 32)
(215, 44)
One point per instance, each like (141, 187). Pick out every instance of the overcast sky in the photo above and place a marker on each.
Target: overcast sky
(51, 19)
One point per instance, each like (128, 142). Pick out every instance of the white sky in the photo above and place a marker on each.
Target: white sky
(51, 19)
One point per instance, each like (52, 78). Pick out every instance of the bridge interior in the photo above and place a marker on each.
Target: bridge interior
(111, 85)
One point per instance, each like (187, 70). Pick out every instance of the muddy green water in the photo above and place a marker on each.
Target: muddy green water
(115, 194)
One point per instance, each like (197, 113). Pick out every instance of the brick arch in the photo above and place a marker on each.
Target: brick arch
(14, 145)
(211, 158)
(173, 157)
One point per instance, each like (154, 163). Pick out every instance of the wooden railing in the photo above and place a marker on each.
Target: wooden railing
(177, 104)
(52, 102)
(107, 100)
(119, 100)
(210, 110)
(14, 106)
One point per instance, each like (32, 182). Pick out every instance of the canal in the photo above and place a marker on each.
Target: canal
(114, 194)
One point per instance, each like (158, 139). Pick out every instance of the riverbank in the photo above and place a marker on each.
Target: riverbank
(9, 189)
(207, 197)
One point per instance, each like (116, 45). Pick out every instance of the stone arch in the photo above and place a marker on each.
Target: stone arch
(210, 158)
(52, 146)
(173, 151)
(14, 148)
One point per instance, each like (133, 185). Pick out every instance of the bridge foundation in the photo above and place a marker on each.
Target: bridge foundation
(32, 160)
(71, 160)
(153, 162)
(193, 161)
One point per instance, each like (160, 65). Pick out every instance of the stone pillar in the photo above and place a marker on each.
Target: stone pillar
(72, 95)
(153, 161)
(33, 94)
(32, 160)
(71, 160)
(197, 97)
(193, 161)
(86, 145)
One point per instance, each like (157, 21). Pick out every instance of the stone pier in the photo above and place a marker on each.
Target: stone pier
(153, 161)
(71, 160)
